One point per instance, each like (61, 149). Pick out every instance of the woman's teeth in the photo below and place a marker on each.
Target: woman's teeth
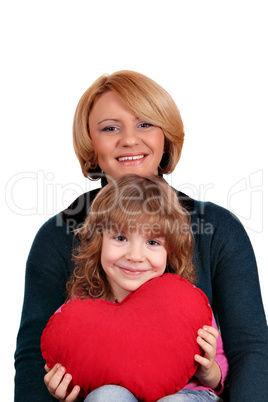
(130, 158)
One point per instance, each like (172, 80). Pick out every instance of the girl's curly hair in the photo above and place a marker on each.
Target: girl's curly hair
(131, 203)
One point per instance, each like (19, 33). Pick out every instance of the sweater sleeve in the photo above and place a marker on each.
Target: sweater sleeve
(238, 304)
(48, 268)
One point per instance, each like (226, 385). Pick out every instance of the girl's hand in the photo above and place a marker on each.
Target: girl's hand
(208, 373)
(57, 383)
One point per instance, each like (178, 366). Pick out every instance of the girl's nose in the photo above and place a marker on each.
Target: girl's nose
(135, 252)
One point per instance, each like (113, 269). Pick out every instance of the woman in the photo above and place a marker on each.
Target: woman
(125, 123)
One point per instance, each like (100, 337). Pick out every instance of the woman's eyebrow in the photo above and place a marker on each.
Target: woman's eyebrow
(107, 120)
(112, 119)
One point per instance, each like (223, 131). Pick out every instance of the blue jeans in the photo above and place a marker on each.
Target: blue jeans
(115, 393)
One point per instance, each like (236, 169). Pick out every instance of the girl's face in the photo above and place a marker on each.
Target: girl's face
(124, 143)
(131, 259)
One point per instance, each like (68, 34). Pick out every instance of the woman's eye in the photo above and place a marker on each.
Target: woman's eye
(109, 129)
(145, 125)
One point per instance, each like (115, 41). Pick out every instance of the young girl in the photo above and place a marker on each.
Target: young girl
(137, 230)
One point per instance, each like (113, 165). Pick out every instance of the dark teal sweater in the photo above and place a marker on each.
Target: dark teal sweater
(227, 273)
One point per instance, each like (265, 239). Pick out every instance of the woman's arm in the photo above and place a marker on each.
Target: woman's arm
(48, 268)
(236, 299)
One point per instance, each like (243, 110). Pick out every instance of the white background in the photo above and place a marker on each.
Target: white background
(210, 55)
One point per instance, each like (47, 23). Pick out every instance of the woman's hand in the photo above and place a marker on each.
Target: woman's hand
(57, 383)
(208, 373)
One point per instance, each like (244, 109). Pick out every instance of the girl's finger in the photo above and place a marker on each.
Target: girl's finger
(62, 389)
(50, 373)
(208, 337)
(47, 368)
(72, 397)
(54, 378)
(202, 361)
(207, 347)
(211, 330)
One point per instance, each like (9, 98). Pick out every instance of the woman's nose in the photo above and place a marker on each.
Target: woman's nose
(129, 137)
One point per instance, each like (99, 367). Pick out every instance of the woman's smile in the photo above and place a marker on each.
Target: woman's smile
(131, 158)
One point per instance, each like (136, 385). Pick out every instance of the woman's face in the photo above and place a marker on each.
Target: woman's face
(123, 142)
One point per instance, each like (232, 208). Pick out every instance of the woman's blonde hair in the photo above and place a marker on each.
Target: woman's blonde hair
(147, 205)
(147, 99)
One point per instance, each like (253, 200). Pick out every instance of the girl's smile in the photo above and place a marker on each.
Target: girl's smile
(134, 272)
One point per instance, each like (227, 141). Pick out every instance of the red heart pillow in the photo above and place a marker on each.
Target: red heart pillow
(146, 343)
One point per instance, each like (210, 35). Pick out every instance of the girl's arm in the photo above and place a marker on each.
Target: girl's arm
(208, 373)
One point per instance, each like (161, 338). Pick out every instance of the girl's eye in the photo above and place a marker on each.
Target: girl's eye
(153, 243)
(120, 238)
